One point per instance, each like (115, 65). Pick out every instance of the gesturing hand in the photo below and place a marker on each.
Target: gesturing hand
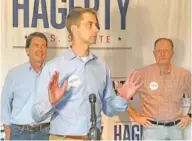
(132, 84)
(55, 92)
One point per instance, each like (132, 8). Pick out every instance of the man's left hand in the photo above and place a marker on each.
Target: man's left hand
(183, 121)
(132, 84)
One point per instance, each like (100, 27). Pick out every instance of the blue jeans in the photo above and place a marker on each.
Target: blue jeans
(19, 133)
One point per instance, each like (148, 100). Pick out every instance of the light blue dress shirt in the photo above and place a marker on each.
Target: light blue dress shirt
(71, 115)
(18, 95)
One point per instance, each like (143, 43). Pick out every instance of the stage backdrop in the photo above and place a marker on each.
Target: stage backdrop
(125, 41)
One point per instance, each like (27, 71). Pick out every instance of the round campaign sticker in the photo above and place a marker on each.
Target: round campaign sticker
(153, 85)
(74, 81)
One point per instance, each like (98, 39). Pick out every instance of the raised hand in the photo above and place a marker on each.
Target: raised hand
(55, 92)
(132, 84)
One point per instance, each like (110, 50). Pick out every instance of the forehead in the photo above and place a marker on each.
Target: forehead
(163, 44)
(88, 17)
(38, 39)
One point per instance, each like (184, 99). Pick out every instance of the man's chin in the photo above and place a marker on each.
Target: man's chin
(163, 63)
(41, 61)
(92, 43)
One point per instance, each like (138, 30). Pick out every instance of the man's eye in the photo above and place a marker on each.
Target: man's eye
(90, 24)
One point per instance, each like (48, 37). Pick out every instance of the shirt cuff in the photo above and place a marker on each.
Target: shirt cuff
(6, 122)
(123, 102)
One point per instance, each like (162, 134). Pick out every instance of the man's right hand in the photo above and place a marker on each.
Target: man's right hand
(143, 120)
(55, 92)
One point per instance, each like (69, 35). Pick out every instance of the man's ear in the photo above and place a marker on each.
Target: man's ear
(173, 52)
(154, 53)
(27, 51)
(73, 29)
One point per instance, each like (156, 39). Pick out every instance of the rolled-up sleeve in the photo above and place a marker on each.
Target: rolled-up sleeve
(112, 104)
(187, 85)
(42, 108)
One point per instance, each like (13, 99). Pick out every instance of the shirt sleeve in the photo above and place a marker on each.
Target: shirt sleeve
(112, 104)
(187, 85)
(6, 99)
(42, 108)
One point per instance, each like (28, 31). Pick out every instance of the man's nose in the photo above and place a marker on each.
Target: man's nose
(162, 53)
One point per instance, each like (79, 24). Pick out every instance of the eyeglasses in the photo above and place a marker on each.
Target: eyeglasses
(162, 51)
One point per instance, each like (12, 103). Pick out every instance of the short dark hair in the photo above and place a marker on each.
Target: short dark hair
(74, 17)
(167, 39)
(32, 35)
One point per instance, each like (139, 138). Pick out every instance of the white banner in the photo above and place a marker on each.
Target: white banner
(125, 41)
